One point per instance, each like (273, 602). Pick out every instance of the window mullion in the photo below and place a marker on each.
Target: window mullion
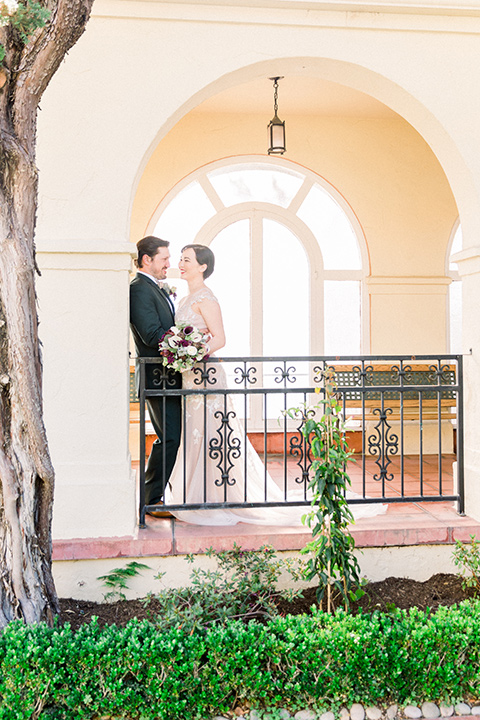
(301, 195)
(256, 274)
(211, 193)
(256, 307)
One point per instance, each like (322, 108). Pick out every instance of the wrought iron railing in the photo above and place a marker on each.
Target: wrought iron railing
(404, 418)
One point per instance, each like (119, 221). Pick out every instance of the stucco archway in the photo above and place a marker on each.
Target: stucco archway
(104, 119)
(359, 78)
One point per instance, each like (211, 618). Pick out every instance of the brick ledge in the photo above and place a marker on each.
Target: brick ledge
(171, 537)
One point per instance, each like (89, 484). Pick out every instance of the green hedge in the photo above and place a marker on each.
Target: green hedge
(143, 672)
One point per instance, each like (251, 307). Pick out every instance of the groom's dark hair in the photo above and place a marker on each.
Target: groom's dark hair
(204, 257)
(148, 246)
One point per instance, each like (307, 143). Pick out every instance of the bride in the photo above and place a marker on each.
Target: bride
(195, 477)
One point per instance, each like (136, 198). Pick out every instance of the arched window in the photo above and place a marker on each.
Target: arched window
(454, 292)
(290, 255)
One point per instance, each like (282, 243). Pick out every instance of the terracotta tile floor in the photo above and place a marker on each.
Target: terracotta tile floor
(411, 476)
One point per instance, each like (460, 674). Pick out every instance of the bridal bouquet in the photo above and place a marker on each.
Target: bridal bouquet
(182, 346)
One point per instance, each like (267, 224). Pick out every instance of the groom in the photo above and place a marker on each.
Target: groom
(152, 313)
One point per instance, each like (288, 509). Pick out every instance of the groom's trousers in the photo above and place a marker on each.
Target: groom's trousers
(166, 417)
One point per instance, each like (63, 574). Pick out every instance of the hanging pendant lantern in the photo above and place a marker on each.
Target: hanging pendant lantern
(276, 127)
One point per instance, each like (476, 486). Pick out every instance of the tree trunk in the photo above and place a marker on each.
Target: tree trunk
(27, 590)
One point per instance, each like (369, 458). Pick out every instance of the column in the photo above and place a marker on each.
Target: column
(83, 308)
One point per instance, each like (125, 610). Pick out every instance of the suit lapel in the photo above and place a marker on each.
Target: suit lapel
(170, 303)
(157, 289)
(165, 300)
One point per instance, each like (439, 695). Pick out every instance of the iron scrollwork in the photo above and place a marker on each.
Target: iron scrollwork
(401, 374)
(225, 448)
(368, 374)
(202, 374)
(284, 374)
(300, 447)
(163, 377)
(322, 372)
(439, 374)
(383, 444)
(244, 375)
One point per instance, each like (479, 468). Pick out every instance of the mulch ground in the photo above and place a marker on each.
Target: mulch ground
(441, 589)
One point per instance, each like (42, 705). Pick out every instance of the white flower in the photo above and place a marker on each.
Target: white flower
(196, 336)
(191, 350)
(172, 341)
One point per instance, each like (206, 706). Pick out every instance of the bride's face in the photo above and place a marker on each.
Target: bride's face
(190, 268)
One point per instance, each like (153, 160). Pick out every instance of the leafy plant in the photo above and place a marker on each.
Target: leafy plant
(24, 17)
(331, 550)
(319, 661)
(243, 586)
(117, 580)
(467, 558)
(30, 15)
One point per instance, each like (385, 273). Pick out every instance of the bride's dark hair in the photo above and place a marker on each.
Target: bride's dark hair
(204, 256)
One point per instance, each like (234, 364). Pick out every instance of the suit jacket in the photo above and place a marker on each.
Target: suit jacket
(150, 317)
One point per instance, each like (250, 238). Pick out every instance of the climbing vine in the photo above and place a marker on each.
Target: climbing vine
(331, 550)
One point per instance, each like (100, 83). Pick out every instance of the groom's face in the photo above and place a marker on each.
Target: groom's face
(159, 264)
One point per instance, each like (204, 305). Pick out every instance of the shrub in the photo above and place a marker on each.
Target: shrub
(145, 671)
(243, 586)
(467, 558)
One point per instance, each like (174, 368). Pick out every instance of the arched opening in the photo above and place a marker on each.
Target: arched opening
(291, 256)
(366, 232)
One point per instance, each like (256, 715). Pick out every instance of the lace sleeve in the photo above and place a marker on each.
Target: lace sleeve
(204, 294)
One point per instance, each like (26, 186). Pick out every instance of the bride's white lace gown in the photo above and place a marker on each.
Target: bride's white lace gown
(196, 477)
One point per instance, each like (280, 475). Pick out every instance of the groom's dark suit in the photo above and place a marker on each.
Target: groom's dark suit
(151, 315)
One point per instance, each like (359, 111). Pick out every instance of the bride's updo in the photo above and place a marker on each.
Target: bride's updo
(204, 256)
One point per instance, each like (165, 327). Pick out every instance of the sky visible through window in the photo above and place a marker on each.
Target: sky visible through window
(265, 265)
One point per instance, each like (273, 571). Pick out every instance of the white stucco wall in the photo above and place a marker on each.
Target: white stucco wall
(139, 68)
(79, 579)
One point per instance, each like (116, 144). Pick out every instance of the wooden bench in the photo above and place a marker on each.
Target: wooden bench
(348, 378)
(434, 403)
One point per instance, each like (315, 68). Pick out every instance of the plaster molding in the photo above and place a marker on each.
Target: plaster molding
(85, 246)
(468, 261)
(408, 285)
(349, 13)
(85, 255)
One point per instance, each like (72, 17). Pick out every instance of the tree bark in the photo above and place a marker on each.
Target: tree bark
(27, 589)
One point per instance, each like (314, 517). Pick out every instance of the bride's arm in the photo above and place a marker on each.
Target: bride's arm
(211, 313)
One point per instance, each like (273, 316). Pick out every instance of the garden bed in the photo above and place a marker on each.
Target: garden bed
(441, 589)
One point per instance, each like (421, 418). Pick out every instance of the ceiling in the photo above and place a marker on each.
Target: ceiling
(296, 95)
